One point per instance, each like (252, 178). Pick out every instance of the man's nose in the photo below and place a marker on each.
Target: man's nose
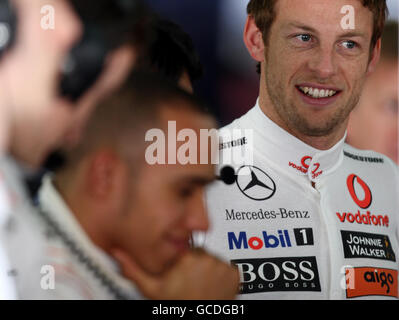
(197, 216)
(322, 63)
(71, 26)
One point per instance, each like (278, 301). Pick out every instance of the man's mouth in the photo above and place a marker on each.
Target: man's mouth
(317, 93)
(181, 244)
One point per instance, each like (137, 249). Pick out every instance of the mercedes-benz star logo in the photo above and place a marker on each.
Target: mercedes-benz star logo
(255, 183)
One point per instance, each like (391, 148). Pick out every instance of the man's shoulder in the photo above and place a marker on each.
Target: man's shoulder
(367, 157)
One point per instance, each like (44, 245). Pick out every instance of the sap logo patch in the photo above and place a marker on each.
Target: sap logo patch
(369, 281)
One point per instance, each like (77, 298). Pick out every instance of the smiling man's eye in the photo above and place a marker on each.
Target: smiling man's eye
(349, 44)
(304, 37)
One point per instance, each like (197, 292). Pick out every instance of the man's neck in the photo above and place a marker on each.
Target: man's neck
(82, 210)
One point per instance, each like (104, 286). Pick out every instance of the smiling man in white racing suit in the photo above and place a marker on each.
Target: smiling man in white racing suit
(303, 215)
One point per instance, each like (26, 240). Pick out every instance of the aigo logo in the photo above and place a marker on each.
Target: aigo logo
(369, 281)
(350, 182)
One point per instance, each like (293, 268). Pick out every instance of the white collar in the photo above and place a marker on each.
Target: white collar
(288, 152)
(13, 190)
(5, 207)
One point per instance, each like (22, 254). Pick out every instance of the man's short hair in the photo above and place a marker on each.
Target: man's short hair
(389, 42)
(120, 21)
(171, 52)
(121, 120)
(263, 11)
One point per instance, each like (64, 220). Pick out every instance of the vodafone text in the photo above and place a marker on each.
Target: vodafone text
(365, 218)
(304, 166)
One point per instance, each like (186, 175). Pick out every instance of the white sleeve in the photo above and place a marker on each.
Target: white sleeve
(7, 285)
(58, 282)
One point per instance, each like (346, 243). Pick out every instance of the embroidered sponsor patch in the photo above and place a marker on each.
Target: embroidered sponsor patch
(367, 245)
(369, 281)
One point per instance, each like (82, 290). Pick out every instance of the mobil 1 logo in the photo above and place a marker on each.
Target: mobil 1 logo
(304, 236)
(241, 240)
(278, 274)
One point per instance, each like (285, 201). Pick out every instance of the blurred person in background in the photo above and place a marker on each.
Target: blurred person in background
(373, 124)
(168, 50)
(29, 67)
(172, 54)
(200, 20)
(43, 101)
(107, 200)
(116, 33)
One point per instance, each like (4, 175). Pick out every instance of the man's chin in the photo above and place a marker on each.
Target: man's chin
(317, 131)
(158, 269)
(312, 127)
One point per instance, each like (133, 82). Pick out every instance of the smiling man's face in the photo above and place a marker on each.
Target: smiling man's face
(314, 69)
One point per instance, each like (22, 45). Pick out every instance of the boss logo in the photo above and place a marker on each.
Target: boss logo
(278, 274)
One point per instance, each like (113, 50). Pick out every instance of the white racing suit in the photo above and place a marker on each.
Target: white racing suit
(82, 270)
(7, 285)
(21, 236)
(300, 223)
(49, 254)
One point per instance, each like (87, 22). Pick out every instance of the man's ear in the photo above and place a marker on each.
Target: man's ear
(102, 174)
(253, 40)
(117, 66)
(375, 57)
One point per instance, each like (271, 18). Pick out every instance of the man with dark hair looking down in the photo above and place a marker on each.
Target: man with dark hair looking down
(109, 201)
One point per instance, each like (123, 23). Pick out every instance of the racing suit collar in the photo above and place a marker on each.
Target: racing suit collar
(295, 156)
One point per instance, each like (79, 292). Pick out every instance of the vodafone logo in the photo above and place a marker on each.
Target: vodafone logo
(305, 161)
(304, 166)
(366, 201)
(361, 195)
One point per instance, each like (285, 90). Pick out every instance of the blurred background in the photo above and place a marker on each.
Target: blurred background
(230, 82)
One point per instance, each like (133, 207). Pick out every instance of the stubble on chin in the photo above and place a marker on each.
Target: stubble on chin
(289, 114)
